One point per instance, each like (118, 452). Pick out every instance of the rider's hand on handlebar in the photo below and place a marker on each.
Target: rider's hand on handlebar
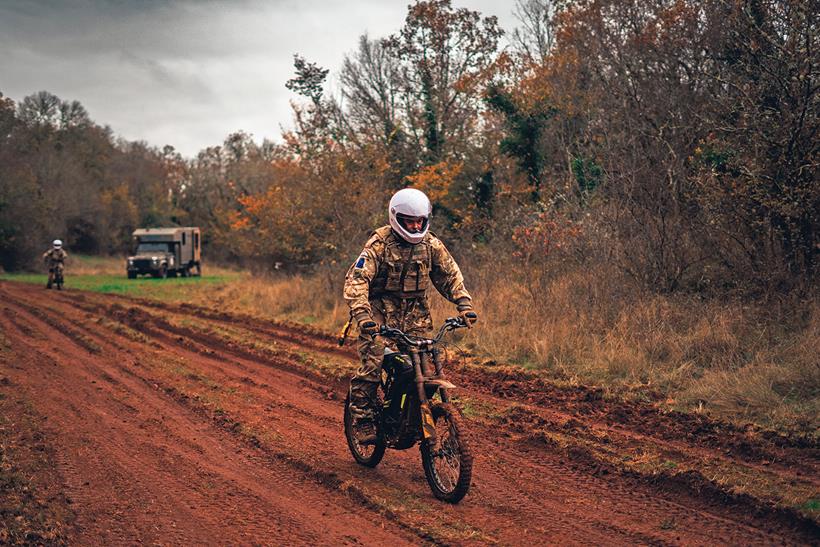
(469, 318)
(367, 326)
(466, 312)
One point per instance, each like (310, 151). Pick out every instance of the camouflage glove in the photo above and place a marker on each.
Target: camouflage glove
(466, 311)
(367, 326)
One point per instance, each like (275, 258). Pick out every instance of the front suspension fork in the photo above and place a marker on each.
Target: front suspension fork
(428, 425)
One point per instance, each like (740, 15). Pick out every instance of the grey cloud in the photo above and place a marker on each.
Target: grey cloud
(185, 73)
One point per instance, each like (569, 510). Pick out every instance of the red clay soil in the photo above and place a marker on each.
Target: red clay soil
(165, 431)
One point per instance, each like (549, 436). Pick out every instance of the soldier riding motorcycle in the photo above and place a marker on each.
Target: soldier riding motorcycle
(387, 292)
(55, 259)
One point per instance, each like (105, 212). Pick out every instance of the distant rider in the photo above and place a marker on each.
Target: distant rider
(55, 260)
(388, 285)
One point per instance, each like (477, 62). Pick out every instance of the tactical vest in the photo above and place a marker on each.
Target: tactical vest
(405, 268)
(56, 256)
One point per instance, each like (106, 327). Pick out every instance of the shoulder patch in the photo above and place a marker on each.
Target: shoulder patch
(360, 262)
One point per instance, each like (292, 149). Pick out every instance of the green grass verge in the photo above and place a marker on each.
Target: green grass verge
(143, 286)
(173, 288)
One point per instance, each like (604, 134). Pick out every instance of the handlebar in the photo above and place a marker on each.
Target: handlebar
(450, 324)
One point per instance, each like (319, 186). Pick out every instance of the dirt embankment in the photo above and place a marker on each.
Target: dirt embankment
(176, 424)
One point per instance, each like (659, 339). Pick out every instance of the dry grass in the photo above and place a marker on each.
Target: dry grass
(82, 265)
(733, 359)
(305, 299)
(739, 360)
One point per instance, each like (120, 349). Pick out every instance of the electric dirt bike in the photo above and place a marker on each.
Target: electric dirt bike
(57, 278)
(407, 412)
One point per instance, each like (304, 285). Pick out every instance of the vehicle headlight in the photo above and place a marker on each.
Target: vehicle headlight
(153, 258)
(130, 262)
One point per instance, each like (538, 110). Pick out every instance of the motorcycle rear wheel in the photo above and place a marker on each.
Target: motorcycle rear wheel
(449, 469)
(367, 455)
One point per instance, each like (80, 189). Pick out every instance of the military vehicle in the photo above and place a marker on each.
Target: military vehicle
(165, 251)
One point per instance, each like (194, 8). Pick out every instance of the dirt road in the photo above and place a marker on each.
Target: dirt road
(159, 423)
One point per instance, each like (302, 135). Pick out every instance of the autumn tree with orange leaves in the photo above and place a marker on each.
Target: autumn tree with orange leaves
(673, 141)
(686, 130)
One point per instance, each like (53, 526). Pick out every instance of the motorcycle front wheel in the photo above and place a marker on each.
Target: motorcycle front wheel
(449, 465)
(367, 455)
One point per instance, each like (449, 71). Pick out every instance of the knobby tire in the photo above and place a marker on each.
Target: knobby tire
(362, 454)
(447, 419)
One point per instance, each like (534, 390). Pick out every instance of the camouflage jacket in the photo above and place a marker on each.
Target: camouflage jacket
(52, 257)
(389, 266)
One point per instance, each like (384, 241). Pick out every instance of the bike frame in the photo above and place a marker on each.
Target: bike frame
(420, 350)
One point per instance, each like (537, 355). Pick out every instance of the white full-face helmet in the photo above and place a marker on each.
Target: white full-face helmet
(410, 203)
(57, 244)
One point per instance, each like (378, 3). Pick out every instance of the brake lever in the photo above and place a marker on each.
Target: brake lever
(457, 323)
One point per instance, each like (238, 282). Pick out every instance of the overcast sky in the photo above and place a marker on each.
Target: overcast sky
(187, 73)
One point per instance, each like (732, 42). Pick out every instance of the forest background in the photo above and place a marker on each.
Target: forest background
(630, 188)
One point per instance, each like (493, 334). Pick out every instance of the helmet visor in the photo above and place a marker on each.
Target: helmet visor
(414, 225)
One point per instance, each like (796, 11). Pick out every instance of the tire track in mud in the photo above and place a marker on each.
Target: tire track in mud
(538, 424)
(298, 465)
(695, 485)
(295, 463)
(642, 422)
(297, 335)
(742, 446)
(319, 533)
(748, 445)
(230, 423)
(588, 404)
(516, 487)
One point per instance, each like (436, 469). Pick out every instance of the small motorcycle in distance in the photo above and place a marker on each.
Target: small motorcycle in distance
(55, 277)
(58, 278)
(408, 413)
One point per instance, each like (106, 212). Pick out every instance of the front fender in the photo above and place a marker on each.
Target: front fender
(439, 383)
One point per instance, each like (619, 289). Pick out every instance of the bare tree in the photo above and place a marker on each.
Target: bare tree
(371, 86)
(445, 54)
(536, 36)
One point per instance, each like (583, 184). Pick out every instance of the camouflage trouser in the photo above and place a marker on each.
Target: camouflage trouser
(413, 317)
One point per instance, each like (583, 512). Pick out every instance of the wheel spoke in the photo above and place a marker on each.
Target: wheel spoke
(447, 460)
(364, 450)
(365, 454)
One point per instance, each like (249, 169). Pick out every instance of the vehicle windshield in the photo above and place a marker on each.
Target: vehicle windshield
(152, 248)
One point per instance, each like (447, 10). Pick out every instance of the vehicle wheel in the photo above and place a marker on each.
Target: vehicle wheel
(132, 275)
(163, 272)
(197, 270)
(186, 272)
(367, 455)
(449, 468)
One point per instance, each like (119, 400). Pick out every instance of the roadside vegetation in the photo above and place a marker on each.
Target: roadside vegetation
(107, 275)
(629, 186)
(728, 359)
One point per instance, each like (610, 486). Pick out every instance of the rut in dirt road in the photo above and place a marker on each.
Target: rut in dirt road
(166, 431)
